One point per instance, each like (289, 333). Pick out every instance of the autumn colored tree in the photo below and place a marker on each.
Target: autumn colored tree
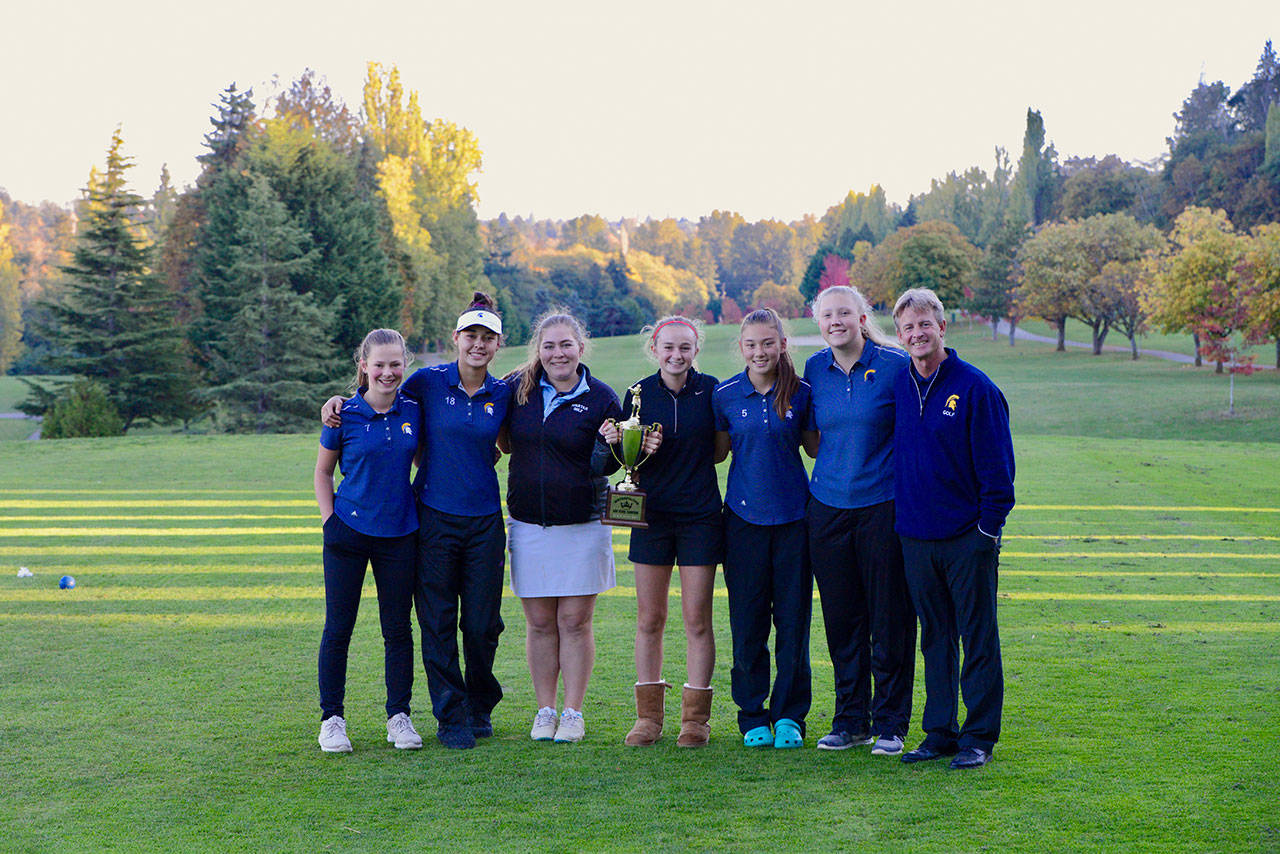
(759, 252)
(10, 300)
(784, 299)
(931, 255)
(426, 177)
(1259, 281)
(1193, 285)
(716, 232)
(843, 223)
(827, 266)
(1061, 264)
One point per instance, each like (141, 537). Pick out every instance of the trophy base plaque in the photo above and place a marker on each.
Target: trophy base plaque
(624, 508)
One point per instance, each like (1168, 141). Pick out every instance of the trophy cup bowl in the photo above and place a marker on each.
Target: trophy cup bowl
(624, 504)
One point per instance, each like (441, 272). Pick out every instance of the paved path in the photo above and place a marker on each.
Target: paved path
(1023, 335)
(22, 416)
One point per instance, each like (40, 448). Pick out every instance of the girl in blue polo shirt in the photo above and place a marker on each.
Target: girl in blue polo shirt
(683, 510)
(461, 544)
(370, 520)
(857, 557)
(561, 556)
(762, 414)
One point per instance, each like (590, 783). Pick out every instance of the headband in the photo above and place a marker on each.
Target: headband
(679, 320)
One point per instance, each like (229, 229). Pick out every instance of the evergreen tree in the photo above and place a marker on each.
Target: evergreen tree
(1035, 184)
(232, 130)
(273, 358)
(116, 318)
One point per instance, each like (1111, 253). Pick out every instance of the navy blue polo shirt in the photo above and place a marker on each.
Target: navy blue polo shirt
(767, 482)
(375, 453)
(680, 478)
(459, 431)
(855, 413)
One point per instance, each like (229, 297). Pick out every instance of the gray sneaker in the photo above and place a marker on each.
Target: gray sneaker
(333, 735)
(887, 745)
(841, 740)
(401, 733)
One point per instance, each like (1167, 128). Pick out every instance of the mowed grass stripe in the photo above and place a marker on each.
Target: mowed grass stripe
(316, 591)
(24, 551)
(1153, 508)
(304, 620)
(161, 517)
(51, 504)
(312, 524)
(314, 568)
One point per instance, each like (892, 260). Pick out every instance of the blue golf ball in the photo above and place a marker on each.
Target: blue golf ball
(66, 582)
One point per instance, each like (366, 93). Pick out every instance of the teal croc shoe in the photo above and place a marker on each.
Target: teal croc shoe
(758, 737)
(787, 734)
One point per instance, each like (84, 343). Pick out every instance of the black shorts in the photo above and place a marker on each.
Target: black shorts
(679, 540)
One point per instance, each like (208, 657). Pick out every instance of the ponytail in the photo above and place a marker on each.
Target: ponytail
(787, 383)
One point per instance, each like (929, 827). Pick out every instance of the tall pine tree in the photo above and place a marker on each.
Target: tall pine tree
(274, 356)
(115, 317)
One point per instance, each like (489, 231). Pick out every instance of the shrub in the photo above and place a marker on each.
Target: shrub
(83, 410)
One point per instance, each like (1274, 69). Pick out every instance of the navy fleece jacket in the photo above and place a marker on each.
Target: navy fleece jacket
(953, 455)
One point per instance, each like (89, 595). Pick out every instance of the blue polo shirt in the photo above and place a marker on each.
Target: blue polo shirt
(459, 432)
(375, 453)
(855, 412)
(767, 482)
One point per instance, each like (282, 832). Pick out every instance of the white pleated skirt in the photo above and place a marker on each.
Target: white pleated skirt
(561, 560)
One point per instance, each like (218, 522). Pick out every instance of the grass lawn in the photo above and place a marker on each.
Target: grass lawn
(169, 701)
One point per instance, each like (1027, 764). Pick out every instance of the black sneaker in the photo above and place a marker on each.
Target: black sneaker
(456, 737)
(481, 726)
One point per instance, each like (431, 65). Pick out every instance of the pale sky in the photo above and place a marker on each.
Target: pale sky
(653, 108)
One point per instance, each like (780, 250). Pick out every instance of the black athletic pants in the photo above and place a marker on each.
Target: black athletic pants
(866, 608)
(766, 571)
(347, 553)
(461, 561)
(953, 587)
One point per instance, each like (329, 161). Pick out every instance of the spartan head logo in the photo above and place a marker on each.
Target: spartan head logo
(869, 375)
(406, 429)
(950, 405)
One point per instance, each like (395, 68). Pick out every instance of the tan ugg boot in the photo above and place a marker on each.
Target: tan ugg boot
(695, 712)
(650, 702)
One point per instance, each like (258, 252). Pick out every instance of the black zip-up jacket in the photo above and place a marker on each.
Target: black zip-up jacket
(550, 479)
(680, 479)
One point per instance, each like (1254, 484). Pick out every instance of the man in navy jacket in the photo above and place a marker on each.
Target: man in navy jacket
(953, 489)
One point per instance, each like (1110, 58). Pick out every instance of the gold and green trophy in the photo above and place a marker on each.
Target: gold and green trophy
(624, 504)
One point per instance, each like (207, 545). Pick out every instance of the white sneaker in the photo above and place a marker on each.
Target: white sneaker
(544, 724)
(887, 745)
(401, 733)
(333, 735)
(572, 728)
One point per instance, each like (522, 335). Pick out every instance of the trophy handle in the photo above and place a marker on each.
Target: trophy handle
(648, 428)
(613, 448)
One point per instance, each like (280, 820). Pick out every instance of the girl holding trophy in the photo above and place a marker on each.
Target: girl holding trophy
(762, 415)
(684, 527)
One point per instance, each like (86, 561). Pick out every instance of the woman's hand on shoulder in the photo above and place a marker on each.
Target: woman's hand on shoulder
(329, 413)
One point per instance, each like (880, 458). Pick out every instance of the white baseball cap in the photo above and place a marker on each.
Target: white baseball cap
(480, 317)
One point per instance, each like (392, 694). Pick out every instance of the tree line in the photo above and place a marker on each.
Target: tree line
(238, 298)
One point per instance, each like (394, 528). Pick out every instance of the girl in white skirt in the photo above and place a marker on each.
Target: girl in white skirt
(561, 556)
